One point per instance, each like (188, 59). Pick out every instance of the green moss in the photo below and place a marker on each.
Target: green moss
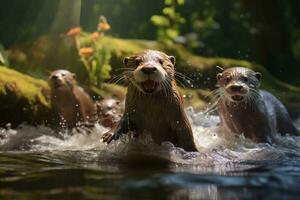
(124, 47)
(194, 97)
(106, 91)
(26, 86)
(22, 98)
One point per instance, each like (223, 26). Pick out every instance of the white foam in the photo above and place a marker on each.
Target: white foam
(215, 148)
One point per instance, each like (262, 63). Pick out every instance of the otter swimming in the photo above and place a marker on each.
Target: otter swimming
(69, 101)
(109, 112)
(245, 109)
(153, 102)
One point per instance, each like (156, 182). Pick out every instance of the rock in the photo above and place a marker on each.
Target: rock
(22, 98)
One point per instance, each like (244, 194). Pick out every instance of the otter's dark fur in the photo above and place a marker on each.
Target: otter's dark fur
(153, 102)
(69, 101)
(245, 109)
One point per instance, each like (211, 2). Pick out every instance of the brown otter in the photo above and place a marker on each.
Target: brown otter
(245, 109)
(153, 102)
(109, 112)
(71, 103)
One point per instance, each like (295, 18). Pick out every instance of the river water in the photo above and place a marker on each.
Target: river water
(37, 163)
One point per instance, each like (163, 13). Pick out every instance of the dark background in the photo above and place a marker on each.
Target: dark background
(262, 31)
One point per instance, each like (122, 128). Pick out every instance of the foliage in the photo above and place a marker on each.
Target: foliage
(168, 24)
(94, 56)
(213, 28)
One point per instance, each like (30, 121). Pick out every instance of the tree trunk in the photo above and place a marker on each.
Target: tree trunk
(66, 17)
(272, 38)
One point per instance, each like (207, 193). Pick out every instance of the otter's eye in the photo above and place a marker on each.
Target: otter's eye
(161, 61)
(227, 79)
(63, 74)
(245, 79)
(138, 61)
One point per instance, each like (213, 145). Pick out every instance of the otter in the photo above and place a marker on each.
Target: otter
(109, 112)
(245, 109)
(153, 102)
(70, 102)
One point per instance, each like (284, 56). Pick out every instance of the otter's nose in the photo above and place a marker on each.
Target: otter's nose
(148, 70)
(55, 77)
(236, 88)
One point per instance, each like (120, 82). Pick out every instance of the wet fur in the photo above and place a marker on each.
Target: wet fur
(259, 117)
(160, 113)
(70, 102)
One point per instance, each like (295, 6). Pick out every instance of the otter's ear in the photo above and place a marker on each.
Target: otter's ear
(73, 75)
(172, 59)
(219, 76)
(258, 75)
(128, 61)
(125, 60)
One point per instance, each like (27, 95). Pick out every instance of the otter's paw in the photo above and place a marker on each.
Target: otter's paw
(108, 137)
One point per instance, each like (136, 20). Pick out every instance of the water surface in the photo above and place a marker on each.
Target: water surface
(37, 163)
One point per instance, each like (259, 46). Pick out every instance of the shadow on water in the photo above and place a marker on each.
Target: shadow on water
(36, 175)
(36, 163)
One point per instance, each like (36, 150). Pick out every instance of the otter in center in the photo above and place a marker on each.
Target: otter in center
(153, 102)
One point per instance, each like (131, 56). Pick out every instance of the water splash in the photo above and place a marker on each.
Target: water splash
(215, 148)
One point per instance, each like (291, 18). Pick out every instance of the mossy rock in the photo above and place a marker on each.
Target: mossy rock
(107, 91)
(22, 98)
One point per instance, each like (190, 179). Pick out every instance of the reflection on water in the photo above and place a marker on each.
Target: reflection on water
(36, 162)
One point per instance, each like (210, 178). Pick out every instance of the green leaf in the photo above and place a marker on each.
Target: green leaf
(172, 33)
(180, 2)
(169, 11)
(159, 20)
(168, 2)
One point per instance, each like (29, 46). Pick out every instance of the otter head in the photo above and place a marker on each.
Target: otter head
(152, 71)
(61, 79)
(239, 83)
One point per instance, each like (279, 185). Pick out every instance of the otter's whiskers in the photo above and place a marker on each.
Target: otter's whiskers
(214, 98)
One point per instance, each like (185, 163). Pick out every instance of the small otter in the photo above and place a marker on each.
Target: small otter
(244, 109)
(109, 112)
(71, 103)
(153, 102)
